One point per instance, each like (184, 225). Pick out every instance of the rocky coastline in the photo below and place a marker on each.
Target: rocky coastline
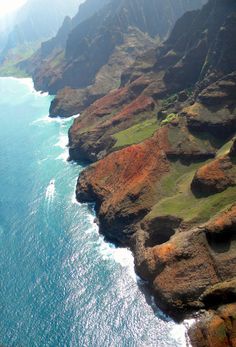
(169, 194)
(162, 153)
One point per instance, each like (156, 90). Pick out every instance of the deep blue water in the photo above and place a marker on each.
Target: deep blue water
(60, 283)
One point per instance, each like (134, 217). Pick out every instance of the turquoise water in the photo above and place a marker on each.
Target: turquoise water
(60, 283)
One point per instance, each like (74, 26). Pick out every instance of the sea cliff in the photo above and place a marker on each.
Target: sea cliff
(163, 174)
(161, 148)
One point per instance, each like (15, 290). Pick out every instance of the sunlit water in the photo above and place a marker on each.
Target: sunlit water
(60, 283)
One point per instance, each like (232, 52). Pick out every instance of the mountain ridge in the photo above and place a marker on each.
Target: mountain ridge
(68, 71)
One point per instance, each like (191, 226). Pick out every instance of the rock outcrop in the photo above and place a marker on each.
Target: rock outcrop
(215, 177)
(215, 328)
(123, 185)
(214, 108)
(206, 280)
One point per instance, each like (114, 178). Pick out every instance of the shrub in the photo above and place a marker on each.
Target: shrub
(170, 118)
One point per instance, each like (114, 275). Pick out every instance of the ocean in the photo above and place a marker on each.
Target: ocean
(61, 284)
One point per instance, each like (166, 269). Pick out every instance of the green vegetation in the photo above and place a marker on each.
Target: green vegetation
(225, 149)
(221, 332)
(179, 175)
(187, 206)
(136, 134)
(169, 101)
(15, 56)
(181, 202)
(12, 70)
(170, 118)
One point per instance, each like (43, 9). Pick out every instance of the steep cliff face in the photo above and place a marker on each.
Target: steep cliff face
(203, 53)
(49, 49)
(100, 35)
(164, 171)
(207, 45)
(150, 17)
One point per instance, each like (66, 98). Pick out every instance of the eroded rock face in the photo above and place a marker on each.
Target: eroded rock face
(214, 109)
(194, 269)
(87, 130)
(208, 56)
(214, 177)
(215, 328)
(69, 102)
(222, 92)
(126, 185)
(91, 135)
(123, 185)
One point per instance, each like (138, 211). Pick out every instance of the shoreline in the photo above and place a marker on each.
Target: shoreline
(188, 314)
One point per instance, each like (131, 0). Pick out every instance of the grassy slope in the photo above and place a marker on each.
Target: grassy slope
(135, 134)
(180, 201)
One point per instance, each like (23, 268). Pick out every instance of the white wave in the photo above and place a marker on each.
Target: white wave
(180, 332)
(108, 251)
(91, 221)
(23, 80)
(63, 141)
(50, 191)
(63, 156)
(46, 119)
(74, 201)
(30, 84)
(75, 116)
(121, 256)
